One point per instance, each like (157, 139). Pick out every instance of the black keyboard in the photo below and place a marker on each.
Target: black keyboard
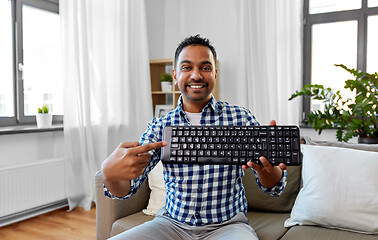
(231, 144)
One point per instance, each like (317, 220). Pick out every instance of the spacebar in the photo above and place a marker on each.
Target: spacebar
(214, 160)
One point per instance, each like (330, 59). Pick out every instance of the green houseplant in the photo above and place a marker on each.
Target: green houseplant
(166, 82)
(350, 117)
(43, 109)
(43, 117)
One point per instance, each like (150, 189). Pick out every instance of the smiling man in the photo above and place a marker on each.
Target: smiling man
(195, 74)
(203, 201)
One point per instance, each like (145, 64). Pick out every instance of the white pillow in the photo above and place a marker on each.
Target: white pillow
(340, 190)
(158, 193)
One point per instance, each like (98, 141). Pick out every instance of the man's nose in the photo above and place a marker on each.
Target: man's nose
(196, 74)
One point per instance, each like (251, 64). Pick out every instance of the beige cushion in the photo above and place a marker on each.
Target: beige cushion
(313, 232)
(129, 222)
(260, 201)
(268, 226)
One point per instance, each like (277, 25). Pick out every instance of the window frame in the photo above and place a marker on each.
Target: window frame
(360, 15)
(19, 117)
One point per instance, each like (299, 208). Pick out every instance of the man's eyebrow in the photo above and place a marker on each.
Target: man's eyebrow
(190, 62)
(185, 61)
(206, 62)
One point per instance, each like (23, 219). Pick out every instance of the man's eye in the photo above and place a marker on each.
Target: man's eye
(206, 68)
(185, 68)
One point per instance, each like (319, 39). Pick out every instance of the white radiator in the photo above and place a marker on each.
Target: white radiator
(31, 186)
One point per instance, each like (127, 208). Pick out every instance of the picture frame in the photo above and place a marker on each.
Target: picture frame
(162, 110)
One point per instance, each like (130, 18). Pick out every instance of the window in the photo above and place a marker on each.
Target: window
(30, 60)
(338, 32)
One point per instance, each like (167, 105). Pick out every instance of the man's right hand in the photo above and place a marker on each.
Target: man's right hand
(128, 161)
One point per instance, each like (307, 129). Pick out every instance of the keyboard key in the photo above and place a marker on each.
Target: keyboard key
(276, 161)
(296, 158)
(295, 143)
(260, 153)
(207, 160)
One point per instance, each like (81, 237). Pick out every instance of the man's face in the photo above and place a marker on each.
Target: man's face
(195, 74)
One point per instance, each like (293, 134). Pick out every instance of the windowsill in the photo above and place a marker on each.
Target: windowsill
(302, 125)
(29, 129)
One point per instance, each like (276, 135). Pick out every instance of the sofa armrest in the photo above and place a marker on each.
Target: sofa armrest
(109, 210)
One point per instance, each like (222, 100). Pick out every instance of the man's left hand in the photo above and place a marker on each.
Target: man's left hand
(268, 174)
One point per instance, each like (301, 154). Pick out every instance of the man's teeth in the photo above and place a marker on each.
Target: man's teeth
(195, 86)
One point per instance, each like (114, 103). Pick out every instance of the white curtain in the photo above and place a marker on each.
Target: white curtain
(106, 85)
(270, 58)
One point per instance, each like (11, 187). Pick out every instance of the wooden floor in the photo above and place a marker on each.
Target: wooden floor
(60, 224)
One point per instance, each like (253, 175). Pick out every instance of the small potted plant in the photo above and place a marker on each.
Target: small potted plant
(166, 82)
(350, 117)
(44, 118)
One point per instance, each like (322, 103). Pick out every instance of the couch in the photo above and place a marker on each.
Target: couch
(271, 217)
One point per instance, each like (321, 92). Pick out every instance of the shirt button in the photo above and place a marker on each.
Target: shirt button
(197, 214)
(199, 189)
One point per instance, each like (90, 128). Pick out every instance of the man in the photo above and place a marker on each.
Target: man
(203, 201)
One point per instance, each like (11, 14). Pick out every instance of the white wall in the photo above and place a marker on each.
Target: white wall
(32, 173)
(155, 12)
(26, 148)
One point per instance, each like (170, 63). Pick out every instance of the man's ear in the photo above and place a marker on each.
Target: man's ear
(174, 76)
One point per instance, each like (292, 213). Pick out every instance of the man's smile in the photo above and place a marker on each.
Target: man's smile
(196, 86)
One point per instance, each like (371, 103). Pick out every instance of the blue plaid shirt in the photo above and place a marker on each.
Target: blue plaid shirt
(201, 194)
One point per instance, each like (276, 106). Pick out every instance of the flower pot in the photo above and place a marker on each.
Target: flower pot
(367, 140)
(44, 120)
(166, 86)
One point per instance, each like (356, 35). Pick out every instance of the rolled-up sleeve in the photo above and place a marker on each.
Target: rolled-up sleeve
(277, 190)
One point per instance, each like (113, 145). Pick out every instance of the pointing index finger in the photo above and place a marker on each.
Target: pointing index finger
(148, 147)
(129, 144)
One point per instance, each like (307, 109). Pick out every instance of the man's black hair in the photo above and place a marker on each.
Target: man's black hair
(194, 40)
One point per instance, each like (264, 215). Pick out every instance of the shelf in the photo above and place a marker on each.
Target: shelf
(161, 61)
(157, 68)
